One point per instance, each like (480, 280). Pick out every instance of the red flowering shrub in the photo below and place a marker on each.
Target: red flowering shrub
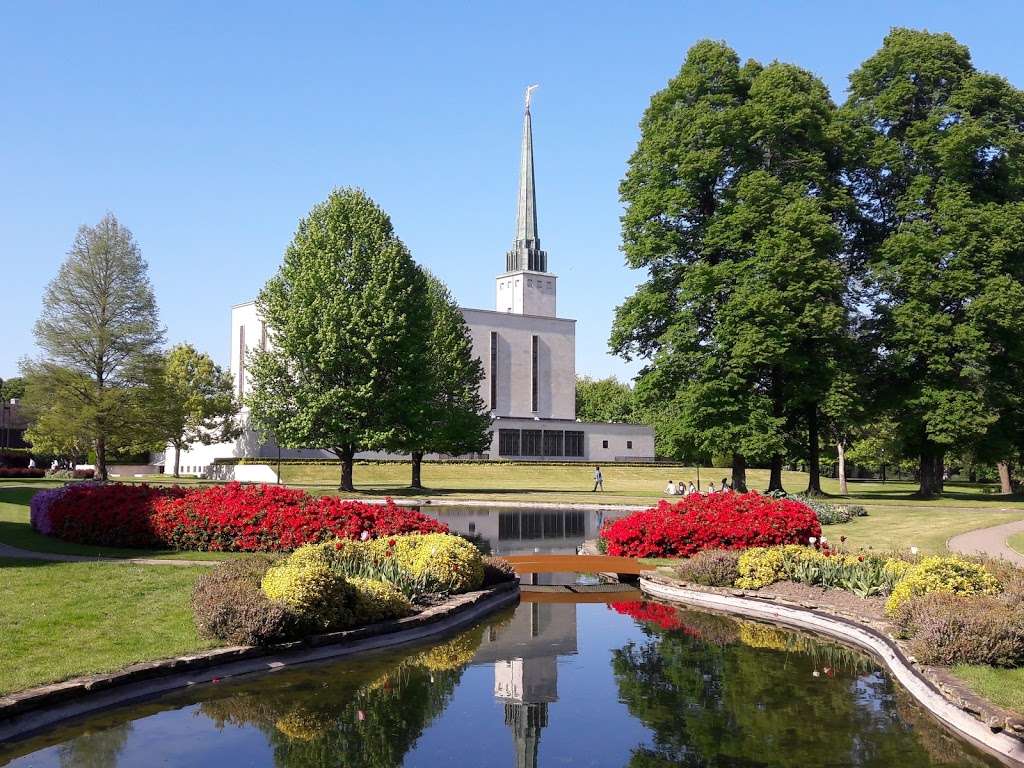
(233, 517)
(715, 521)
(661, 615)
(21, 472)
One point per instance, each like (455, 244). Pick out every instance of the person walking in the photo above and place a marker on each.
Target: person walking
(598, 480)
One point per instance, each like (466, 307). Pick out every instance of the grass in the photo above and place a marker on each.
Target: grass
(61, 620)
(1016, 542)
(1004, 687)
(15, 531)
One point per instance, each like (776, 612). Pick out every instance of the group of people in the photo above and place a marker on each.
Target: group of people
(685, 489)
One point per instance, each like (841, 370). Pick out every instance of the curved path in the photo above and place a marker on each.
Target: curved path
(989, 541)
(56, 557)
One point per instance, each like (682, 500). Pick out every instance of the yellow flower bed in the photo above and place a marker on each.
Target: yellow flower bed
(445, 563)
(378, 601)
(953, 575)
(310, 588)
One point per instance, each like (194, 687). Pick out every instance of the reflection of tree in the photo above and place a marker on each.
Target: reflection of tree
(781, 700)
(355, 720)
(99, 749)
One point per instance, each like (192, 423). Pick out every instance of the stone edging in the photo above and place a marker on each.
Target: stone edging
(1009, 748)
(26, 712)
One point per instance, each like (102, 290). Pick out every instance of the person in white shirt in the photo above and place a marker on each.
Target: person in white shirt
(711, 487)
(670, 489)
(598, 480)
(691, 488)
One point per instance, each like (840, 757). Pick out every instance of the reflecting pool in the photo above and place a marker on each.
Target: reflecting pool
(631, 683)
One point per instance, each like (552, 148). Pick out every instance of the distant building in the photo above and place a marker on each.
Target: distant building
(528, 354)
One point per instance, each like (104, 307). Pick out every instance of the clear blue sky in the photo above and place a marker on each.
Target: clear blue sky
(209, 131)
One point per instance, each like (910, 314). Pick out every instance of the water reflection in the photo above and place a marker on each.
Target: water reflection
(512, 531)
(635, 683)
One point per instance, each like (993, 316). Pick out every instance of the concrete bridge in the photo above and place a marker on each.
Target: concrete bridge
(543, 563)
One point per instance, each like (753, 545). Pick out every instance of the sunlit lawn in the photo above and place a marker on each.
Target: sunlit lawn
(1004, 687)
(61, 620)
(1017, 542)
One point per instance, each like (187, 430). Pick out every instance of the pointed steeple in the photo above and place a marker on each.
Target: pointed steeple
(526, 252)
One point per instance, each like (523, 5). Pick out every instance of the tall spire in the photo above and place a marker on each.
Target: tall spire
(526, 252)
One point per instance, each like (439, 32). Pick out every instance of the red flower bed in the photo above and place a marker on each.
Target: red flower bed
(268, 518)
(715, 521)
(233, 517)
(663, 616)
(21, 472)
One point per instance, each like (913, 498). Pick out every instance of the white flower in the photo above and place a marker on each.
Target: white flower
(824, 540)
(816, 673)
(812, 540)
(364, 535)
(914, 550)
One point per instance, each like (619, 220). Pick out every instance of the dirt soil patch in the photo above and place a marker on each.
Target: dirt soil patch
(836, 599)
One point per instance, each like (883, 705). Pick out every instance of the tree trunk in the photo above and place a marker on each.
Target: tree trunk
(739, 473)
(101, 457)
(346, 454)
(1005, 481)
(813, 453)
(775, 478)
(417, 461)
(177, 460)
(931, 472)
(841, 467)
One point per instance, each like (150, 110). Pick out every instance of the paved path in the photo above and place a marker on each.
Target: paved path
(989, 541)
(54, 557)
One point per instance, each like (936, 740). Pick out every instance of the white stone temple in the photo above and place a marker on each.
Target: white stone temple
(528, 355)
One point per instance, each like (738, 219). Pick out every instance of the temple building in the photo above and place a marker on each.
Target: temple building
(528, 354)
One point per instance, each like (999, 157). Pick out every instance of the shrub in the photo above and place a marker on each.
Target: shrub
(22, 472)
(946, 629)
(712, 568)
(714, 521)
(444, 563)
(453, 654)
(321, 598)
(227, 604)
(942, 574)
(497, 570)
(378, 601)
(830, 513)
(232, 517)
(1010, 578)
(760, 566)
(111, 514)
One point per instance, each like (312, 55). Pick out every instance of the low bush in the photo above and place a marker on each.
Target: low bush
(497, 570)
(712, 568)
(953, 575)
(378, 601)
(714, 521)
(319, 596)
(947, 629)
(228, 604)
(830, 513)
(760, 566)
(232, 517)
(21, 472)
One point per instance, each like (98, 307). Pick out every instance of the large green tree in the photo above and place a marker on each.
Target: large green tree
(98, 328)
(454, 418)
(605, 399)
(733, 206)
(348, 319)
(937, 167)
(192, 401)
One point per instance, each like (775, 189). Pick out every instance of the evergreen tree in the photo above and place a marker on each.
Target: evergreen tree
(98, 328)
(347, 315)
(192, 401)
(455, 419)
(937, 167)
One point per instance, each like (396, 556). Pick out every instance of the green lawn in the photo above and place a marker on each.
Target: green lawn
(1004, 687)
(16, 532)
(61, 620)
(1016, 542)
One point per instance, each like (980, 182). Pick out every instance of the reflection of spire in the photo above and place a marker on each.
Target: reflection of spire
(526, 721)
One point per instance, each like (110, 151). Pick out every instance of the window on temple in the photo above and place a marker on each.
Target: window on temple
(508, 442)
(574, 443)
(553, 442)
(532, 444)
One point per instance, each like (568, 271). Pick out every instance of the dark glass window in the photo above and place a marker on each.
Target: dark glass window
(553, 442)
(531, 443)
(604, 443)
(629, 444)
(494, 370)
(508, 442)
(574, 443)
(535, 373)
(241, 360)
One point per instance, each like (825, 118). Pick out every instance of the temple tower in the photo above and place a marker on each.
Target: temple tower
(526, 287)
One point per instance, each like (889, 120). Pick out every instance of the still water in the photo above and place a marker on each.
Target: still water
(631, 683)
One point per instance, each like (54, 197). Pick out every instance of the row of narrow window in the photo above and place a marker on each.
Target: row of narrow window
(535, 365)
(540, 442)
